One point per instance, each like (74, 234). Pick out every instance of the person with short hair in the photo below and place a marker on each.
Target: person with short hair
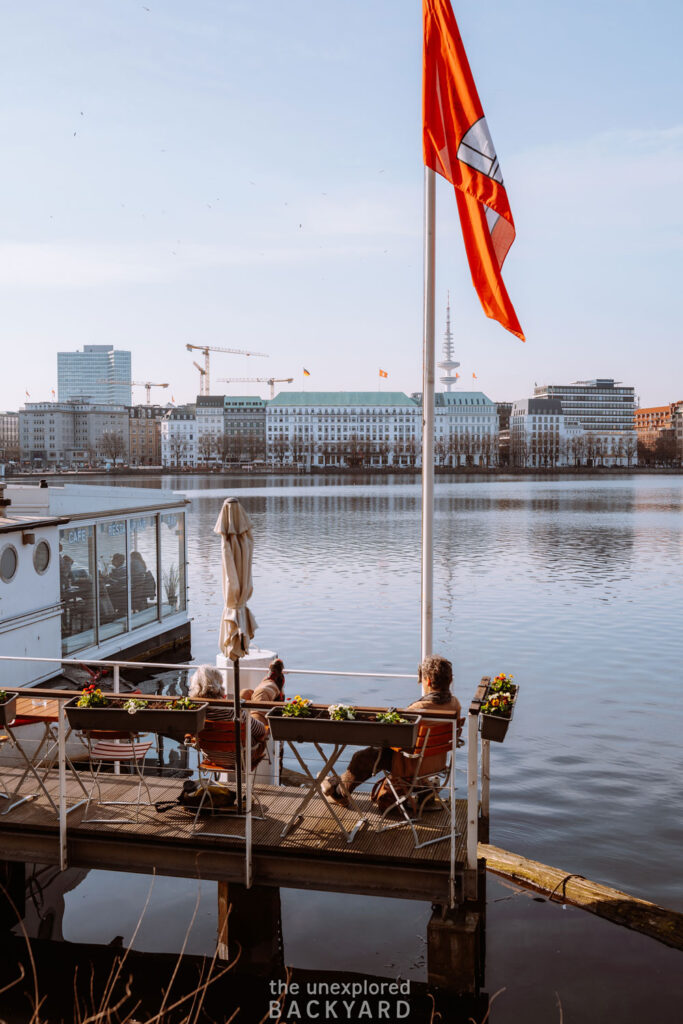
(207, 683)
(436, 675)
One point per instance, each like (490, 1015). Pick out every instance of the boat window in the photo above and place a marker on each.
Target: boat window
(41, 557)
(77, 587)
(112, 571)
(172, 539)
(9, 560)
(143, 570)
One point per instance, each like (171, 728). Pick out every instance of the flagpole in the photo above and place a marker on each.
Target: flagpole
(428, 381)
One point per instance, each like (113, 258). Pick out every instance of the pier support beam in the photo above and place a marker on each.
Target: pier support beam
(12, 891)
(456, 943)
(250, 924)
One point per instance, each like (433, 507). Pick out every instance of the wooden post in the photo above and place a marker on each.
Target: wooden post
(250, 923)
(12, 893)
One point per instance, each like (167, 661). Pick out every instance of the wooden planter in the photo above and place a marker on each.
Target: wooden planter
(361, 731)
(149, 719)
(494, 727)
(8, 710)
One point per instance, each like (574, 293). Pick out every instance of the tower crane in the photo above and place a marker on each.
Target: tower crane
(271, 381)
(206, 379)
(147, 384)
(202, 375)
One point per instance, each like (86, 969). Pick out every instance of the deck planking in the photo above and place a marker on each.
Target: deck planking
(314, 854)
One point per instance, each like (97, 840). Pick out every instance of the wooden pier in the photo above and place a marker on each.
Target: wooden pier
(313, 855)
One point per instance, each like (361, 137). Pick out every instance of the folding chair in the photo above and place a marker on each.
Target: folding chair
(426, 771)
(110, 748)
(217, 757)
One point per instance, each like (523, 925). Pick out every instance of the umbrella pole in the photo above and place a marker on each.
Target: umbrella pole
(238, 731)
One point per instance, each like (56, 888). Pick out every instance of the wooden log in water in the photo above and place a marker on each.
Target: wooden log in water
(563, 887)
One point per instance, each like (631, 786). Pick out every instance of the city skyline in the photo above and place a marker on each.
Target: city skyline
(253, 179)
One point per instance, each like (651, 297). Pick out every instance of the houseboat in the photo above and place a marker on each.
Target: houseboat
(90, 571)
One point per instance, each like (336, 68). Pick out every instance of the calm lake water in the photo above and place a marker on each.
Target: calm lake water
(573, 585)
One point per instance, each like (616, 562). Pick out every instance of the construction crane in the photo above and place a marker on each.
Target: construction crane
(202, 375)
(271, 381)
(206, 379)
(147, 384)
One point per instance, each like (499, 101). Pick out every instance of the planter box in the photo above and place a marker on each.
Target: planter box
(8, 710)
(151, 719)
(360, 732)
(494, 727)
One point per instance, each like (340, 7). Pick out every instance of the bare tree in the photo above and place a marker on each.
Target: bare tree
(111, 445)
(631, 449)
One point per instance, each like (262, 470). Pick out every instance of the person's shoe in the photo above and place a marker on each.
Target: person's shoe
(334, 789)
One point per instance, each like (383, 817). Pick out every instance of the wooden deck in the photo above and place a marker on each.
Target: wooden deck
(314, 855)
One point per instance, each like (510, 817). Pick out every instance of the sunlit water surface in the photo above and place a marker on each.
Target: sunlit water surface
(573, 585)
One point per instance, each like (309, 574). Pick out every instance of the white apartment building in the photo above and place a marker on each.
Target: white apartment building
(465, 429)
(343, 428)
(179, 439)
(542, 436)
(73, 433)
(210, 415)
(9, 436)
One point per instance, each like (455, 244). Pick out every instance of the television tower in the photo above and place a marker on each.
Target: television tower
(448, 363)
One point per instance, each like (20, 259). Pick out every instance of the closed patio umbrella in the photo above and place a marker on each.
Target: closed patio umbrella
(237, 622)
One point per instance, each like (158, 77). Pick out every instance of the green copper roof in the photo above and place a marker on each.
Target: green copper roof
(340, 398)
(462, 398)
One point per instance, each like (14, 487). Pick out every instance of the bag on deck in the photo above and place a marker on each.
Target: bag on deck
(218, 799)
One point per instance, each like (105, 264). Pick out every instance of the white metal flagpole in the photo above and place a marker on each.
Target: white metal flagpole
(428, 380)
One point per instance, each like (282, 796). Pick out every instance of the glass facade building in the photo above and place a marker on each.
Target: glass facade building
(99, 373)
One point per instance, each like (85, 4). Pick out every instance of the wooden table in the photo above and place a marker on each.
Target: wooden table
(45, 712)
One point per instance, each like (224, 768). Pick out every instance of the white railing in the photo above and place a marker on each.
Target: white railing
(473, 786)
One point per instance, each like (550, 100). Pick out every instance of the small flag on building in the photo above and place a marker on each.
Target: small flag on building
(27, 394)
(306, 373)
(173, 399)
(474, 376)
(383, 373)
(52, 392)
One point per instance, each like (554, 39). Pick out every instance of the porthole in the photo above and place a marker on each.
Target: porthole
(41, 557)
(9, 560)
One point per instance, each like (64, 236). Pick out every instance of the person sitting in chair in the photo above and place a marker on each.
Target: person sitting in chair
(271, 687)
(436, 674)
(207, 683)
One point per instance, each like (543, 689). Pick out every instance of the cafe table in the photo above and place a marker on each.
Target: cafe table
(38, 763)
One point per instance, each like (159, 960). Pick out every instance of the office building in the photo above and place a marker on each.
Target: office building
(99, 374)
(179, 448)
(144, 433)
(598, 405)
(9, 436)
(73, 434)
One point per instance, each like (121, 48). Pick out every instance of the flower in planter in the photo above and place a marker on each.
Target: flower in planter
(499, 704)
(133, 705)
(503, 684)
(92, 697)
(181, 704)
(4, 696)
(390, 717)
(341, 712)
(296, 707)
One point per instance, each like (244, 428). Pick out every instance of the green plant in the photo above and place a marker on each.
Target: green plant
(134, 704)
(341, 712)
(92, 697)
(390, 717)
(4, 696)
(296, 707)
(500, 696)
(171, 580)
(181, 704)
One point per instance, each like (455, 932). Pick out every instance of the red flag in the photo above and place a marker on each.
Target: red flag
(383, 373)
(457, 145)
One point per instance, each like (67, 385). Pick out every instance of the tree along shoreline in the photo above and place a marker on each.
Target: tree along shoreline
(403, 471)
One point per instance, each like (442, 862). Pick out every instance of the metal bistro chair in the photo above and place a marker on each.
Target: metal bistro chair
(426, 771)
(110, 748)
(217, 756)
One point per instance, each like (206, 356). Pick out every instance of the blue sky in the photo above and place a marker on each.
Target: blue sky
(249, 175)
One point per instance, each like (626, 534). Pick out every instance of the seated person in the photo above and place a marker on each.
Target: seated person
(207, 683)
(436, 674)
(143, 588)
(118, 584)
(271, 687)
